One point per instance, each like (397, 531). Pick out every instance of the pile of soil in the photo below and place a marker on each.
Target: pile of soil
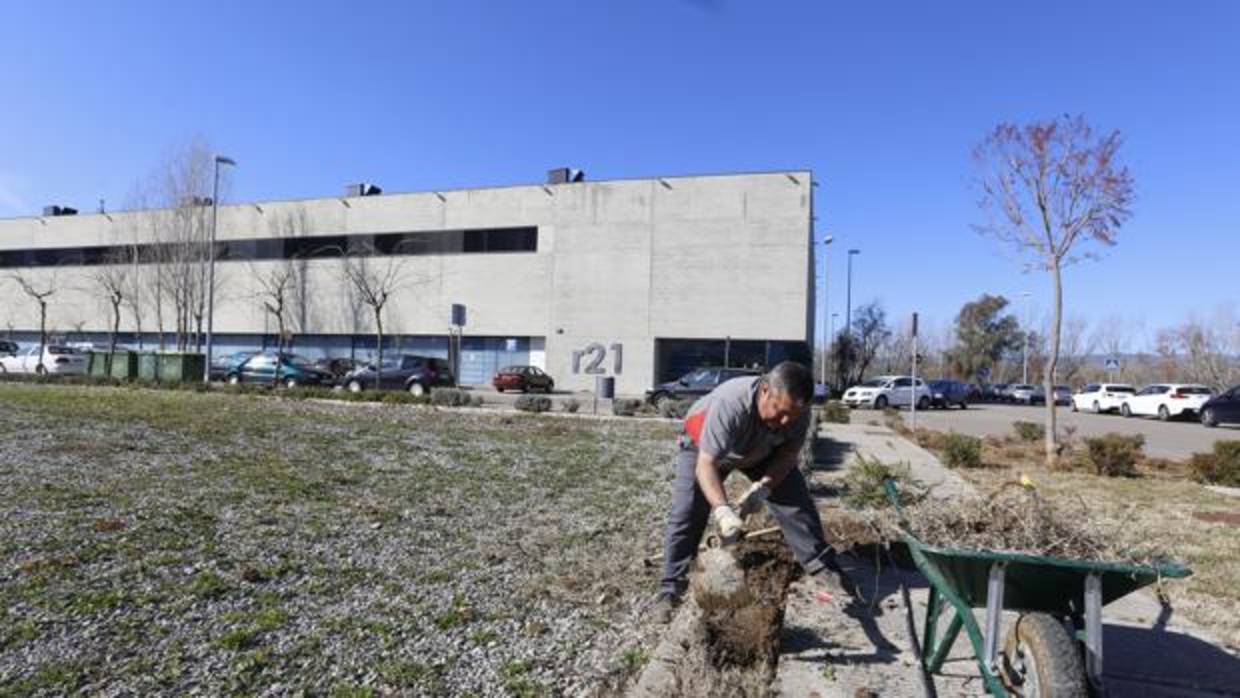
(727, 651)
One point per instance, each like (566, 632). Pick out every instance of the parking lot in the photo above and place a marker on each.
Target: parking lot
(1175, 440)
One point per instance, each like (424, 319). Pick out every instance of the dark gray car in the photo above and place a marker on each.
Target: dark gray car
(696, 383)
(947, 393)
(417, 374)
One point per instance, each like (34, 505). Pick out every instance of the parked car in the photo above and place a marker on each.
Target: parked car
(1101, 397)
(223, 365)
(944, 393)
(338, 366)
(289, 370)
(57, 360)
(696, 383)
(995, 392)
(8, 348)
(1223, 408)
(523, 378)
(1063, 395)
(417, 374)
(1025, 394)
(1166, 400)
(889, 391)
(974, 392)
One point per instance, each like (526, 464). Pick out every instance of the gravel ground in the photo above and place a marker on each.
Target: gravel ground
(156, 542)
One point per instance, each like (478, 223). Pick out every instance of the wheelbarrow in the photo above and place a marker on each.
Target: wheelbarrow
(1060, 605)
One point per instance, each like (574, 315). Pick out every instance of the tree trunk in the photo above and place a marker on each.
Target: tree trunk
(379, 346)
(1048, 380)
(42, 334)
(116, 327)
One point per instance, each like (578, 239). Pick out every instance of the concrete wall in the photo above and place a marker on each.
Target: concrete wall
(618, 263)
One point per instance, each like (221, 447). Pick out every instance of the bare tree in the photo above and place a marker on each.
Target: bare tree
(374, 278)
(275, 291)
(176, 226)
(1048, 189)
(1076, 348)
(111, 280)
(1210, 349)
(41, 294)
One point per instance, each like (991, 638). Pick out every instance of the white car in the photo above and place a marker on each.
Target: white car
(1102, 397)
(57, 360)
(888, 391)
(1166, 400)
(1025, 393)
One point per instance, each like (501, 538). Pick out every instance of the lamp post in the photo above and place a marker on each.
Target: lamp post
(1024, 350)
(215, 210)
(826, 338)
(848, 312)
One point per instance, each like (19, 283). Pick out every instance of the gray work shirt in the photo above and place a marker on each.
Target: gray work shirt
(725, 424)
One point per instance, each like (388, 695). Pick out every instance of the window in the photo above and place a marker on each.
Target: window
(487, 240)
(902, 383)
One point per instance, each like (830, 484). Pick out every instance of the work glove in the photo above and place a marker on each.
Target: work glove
(753, 499)
(729, 524)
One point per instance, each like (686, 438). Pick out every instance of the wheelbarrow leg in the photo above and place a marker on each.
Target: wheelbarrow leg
(994, 613)
(1093, 631)
(934, 608)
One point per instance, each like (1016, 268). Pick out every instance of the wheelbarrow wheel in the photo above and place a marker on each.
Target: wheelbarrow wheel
(1041, 659)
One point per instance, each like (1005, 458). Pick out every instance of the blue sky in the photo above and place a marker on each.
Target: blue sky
(883, 100)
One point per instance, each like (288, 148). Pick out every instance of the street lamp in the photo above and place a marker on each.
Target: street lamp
(848, 313)
(215, 210)
(826, 338)
(1024, 350)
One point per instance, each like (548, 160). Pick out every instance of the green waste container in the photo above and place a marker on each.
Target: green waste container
(180, 368)
(98, 366)
(125, 365)
(148, 366)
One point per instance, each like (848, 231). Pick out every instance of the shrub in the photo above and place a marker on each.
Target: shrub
(396, 397)
(622, 407)
(533, 403)
(475, 401)
(570, 405)
(1222, 467)
(961, 451)
(1114, 455)
(674, 409)
(448, 397)
(835, 412)
(863, 486)
(1029, 431)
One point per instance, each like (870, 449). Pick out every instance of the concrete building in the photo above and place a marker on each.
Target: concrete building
(640, 279)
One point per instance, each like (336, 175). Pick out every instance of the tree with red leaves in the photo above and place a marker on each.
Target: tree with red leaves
(1050, 189)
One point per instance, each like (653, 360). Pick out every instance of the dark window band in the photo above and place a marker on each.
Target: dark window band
(477, 241)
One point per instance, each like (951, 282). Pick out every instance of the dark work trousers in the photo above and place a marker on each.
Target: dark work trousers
(789, 503)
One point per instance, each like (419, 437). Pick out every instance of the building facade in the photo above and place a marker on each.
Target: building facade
(637, 279)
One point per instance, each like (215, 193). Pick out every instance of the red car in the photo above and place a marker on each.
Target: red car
(523, 378)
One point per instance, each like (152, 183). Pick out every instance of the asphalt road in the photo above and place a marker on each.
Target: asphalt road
(1176, 440)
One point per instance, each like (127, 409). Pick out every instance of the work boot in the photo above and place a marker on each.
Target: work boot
(664, 608)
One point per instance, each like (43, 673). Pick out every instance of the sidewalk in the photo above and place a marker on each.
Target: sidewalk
(827, 653)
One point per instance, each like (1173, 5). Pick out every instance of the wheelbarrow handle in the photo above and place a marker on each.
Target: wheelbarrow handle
(893, 496)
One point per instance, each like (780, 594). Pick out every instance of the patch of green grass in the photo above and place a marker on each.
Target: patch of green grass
(403, 673)
(517, 683)
(483, 637)
(270, 619)
(17, 634)
(348, 690)
(57, 678)
(634, 659)
(92, 602)
(208, 585)
(238, 639)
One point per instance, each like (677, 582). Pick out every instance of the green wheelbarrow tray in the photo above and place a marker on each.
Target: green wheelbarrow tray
(997, 581)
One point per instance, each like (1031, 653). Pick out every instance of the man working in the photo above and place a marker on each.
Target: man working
(756, 425)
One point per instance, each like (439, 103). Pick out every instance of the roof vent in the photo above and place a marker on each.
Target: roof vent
(362, 189)
(59, 211)
(565, 175)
